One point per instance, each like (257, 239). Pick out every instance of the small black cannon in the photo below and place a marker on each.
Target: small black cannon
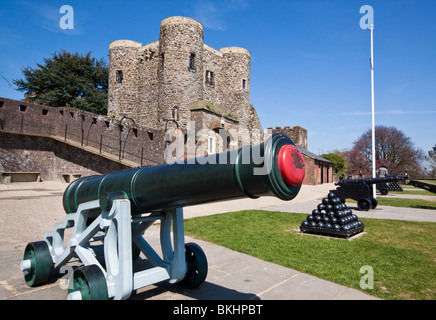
(110, 213)
(361, 189)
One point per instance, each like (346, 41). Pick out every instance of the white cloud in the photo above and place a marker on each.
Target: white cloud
(212, 14)
(400, 88)
(209, 15)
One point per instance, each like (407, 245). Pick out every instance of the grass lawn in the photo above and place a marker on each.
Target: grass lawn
(406, 203)
(429, 181)
(403, 202)
(401, 253)
(414, 191)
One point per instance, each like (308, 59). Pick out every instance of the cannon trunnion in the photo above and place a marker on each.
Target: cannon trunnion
(109, 215)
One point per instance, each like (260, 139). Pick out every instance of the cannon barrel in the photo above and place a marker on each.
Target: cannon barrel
(391, 178)
(278, 170)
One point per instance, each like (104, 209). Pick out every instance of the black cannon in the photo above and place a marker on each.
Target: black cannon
(110, 213)
(361, 190)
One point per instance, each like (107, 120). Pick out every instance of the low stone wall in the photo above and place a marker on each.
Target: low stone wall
(121, 138)
(24, 156)
(62, 143)
(425, 185)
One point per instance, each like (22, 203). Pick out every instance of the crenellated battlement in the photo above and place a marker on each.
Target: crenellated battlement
(297, 134)
(118, 140)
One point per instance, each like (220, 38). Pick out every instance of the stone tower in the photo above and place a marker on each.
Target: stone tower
(123, 78)
(179, 79)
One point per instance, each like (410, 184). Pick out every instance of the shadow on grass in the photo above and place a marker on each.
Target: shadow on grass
(423, 207)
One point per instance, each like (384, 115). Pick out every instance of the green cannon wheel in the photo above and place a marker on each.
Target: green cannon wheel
(90, 282)
(41, 263)
(197, 266)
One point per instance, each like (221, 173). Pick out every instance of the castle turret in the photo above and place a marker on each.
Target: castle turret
(235, 82)
(180, 73)
(123, 78)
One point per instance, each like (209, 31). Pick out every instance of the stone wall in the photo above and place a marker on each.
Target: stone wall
(213, 90)
(211, 120)
(255, 125)
(52, 159)
(297, 134)
(116, 141)
(148, 97)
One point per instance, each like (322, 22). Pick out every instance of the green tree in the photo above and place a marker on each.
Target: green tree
(67, 79)
(338, 163)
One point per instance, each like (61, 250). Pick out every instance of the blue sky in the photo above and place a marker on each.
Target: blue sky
(309, 58)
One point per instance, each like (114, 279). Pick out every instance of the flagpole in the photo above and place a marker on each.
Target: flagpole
(372, 103)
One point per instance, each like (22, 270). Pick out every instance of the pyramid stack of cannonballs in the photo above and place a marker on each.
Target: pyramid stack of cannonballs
(332, 218)
(394, 186)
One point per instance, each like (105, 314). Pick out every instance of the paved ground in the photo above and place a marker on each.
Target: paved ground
(28, 210)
